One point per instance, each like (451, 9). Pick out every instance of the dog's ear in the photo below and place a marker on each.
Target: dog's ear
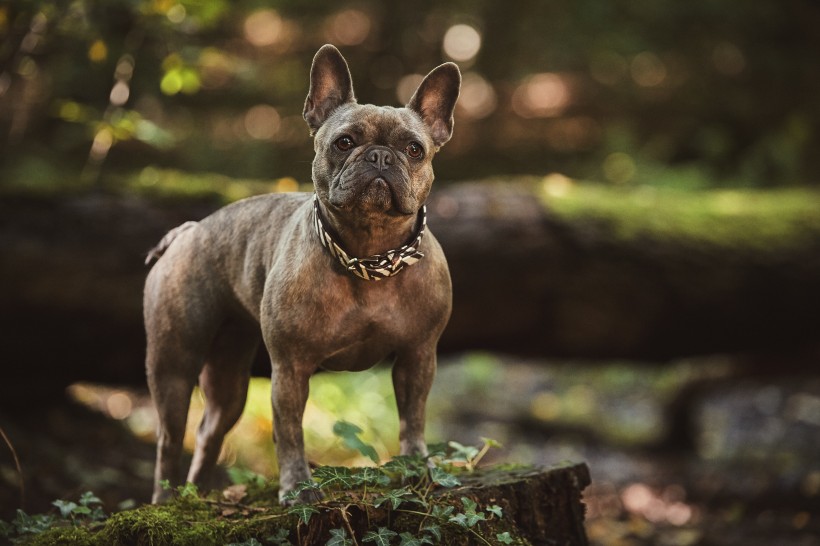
(435, 100)
(330, 86)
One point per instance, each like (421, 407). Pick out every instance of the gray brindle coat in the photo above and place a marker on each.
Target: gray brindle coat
(256, 271)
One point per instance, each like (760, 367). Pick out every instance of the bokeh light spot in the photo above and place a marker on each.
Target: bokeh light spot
(461, 42)
(349, 27)
(98, 52)
(619, 168)
(478, 99)
(119, 93)
(557, 185)
(541, 95)
(407, 86)
(119, 405)
(263, 28)
(176, 13)
(647, 69)
(262, 122)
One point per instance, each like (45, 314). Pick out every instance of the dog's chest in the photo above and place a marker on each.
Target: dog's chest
(345, 326)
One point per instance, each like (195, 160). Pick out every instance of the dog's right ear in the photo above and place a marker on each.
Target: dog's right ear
(330, 86)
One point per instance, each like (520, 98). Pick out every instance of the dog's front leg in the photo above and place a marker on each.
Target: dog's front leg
(413, 374)
(289, 393)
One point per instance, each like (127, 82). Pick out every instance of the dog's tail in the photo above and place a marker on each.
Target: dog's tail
(165, 242)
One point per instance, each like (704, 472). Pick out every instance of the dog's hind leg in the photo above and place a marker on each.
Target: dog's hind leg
(171, 379)
(224, 382)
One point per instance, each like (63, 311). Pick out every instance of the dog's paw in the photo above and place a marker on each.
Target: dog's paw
(308, 496)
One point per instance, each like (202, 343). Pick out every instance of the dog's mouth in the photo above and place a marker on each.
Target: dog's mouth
(380, 193)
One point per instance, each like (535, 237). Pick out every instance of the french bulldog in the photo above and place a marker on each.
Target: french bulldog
(338, 279)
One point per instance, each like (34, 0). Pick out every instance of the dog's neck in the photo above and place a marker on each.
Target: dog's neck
(373, 266)
(367, 234)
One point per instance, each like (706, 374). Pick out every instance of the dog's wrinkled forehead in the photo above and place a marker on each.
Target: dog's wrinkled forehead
(375, 124)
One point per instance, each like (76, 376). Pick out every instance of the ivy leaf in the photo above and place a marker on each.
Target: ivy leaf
(349, 433)
(407, 466)
(438, 449)
(338, 537)
(474, 518)
(370, 476)
(395, 496)
(281, 538)
(470, 517)
(441, 512)
(459, 519)
(381, 537)
(462, 452)
(66, 507)
(334, 476)
(82, 510)
(489, 442)
(245, 476)
(409, 540)
(495, 510)
(504, 538)
(434, 529)
(32, 524)
(303, 511)
(88, 498)
(469, 504)
(301, 486)
(443, 478)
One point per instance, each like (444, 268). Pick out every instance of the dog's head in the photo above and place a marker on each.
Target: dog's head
(376, 159)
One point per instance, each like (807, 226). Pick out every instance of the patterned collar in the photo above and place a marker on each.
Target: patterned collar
(378, 266)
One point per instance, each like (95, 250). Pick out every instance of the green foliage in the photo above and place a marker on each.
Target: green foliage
(349, 433)
(395, 497)
(303, 511)
(244, 476)
(468, 518)
(334, 477)
(443, 478)
(338, 537)
(411, 540)
(727, 218)
(404, 488)
(470, 455)
(381, 537)
(504, 538)
(280, 538)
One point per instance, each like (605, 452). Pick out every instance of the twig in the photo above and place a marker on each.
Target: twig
(19, 468)
(347, 524)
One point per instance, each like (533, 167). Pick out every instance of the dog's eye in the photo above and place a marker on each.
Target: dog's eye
(345, 143)
(414, 150)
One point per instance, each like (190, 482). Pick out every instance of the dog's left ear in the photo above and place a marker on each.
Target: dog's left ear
(435, 100)
(330, 86)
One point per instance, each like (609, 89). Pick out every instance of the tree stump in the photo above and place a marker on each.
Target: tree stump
(524, 506)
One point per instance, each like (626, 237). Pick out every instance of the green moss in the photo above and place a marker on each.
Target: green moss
(752, 219)
(76, 536)
(171, 184)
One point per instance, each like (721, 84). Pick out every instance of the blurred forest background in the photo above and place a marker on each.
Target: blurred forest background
(656, 164)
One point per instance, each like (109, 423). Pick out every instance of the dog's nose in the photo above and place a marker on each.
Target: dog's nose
(380, 156)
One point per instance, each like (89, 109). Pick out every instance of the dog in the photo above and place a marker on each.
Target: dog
(339, 279)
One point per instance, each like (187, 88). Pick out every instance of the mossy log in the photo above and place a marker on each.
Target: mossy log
(594, 276)
(533, 506)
